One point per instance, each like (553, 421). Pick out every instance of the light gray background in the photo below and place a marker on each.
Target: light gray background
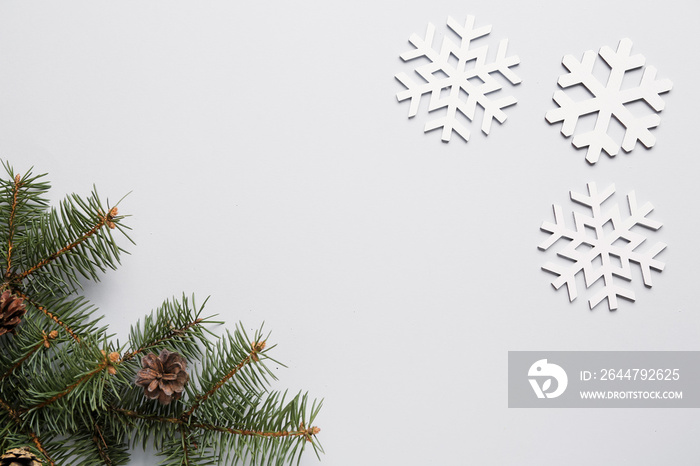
(272, 168)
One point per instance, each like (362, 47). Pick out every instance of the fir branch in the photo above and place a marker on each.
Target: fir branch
(44, 342)
(91, 445)
(256, 348)
(178, 332)
(185, 443)
(63, 244)
(24, 358)
(146, 417)
(15, 416)
(302, 431)
(177, 325)
(101, 445)
(41, 448)
(273, 415)
(11, 224)
(100, 367)
(81, 398)
(49, 314)
(104, 219)
(22, 203)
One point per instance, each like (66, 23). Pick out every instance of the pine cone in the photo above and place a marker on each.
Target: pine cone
(19, 457)
(163, 377)
(11, 312)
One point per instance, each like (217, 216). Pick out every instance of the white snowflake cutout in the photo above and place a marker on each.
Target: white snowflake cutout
(609, 100)
(456, 70)
(602, 246)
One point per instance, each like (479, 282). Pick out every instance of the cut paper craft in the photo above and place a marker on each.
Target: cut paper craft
(602, 246)
(609, 100)
(458, 79)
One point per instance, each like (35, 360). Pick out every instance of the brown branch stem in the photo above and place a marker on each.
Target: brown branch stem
(99, 441)
(302, 432)
(185, 451)
(40, 447)
(13, 211)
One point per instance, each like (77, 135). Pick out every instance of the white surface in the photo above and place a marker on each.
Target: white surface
(272, 167)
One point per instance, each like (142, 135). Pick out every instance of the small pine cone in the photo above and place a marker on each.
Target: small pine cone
(11, 312)
(19, 457)
(163, 377)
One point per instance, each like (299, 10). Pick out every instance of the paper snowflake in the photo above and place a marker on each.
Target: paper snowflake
(602, 245)
(609, 100)
(458, 79)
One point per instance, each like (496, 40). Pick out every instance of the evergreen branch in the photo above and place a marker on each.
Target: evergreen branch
(105, 219)
(272, 415)
(302, 431)
(100, 367)
(22, 203)
(256, 348)
(91, 445)
(64, 244)
(185, 450)
(15, 416)
(178, 332)
(41, 448)
(79, 394)
(24, 358)
(101, 445)
(11, 222)
(44, 342)
(146, 417)
(177, 325)
(48, 314)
